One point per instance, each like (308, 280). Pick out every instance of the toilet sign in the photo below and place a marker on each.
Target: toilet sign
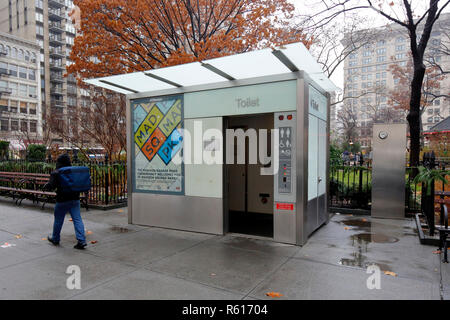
(157, 131)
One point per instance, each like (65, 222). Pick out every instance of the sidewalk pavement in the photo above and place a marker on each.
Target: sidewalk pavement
(134, 262)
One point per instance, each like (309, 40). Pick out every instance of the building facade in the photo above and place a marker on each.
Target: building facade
(47, 23)
(369, 80)
(20, 100)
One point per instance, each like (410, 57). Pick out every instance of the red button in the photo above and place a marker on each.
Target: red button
(281, 118)
(289, 117)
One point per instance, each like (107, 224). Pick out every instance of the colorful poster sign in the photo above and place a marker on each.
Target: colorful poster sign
(157, 134)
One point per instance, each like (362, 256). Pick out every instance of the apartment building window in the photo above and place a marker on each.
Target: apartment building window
(400, 56)
(25, 12)
(10, 15)
(400, 40)
(13, 106)
(430, 119)
(430, 111)
(39, 17)
(353, 56)
(4, 124)
(33, 126)
(32, 91)
(367, 53)
(437, 119)
(23, 107)
(39, 4)
(3, 105)
(3, 68)
(400, 48)
(40, 30)
(381, 43)
(437, 111)
(23, 92)
(69, 40)
(437, 102)
(13, 87)
(17, 13)
(32, 108)
(381, 51)
(23, 72)
(14, 125)
(353, 63)
(31, 74)
(381, 59)
(24, 125)
(396, 81)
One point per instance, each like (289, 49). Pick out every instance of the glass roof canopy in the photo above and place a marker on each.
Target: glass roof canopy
(267, 62)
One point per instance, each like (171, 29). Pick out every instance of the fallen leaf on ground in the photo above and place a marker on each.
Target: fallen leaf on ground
(88, 232)
(213, 274)
(364, 220)
(94, 242)
(347, 228)
(390, 273)
(274, 294)
(18, 236)
(70, 219)
(43, 239)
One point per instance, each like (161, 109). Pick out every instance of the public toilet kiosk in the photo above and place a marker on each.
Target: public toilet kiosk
(237, 144)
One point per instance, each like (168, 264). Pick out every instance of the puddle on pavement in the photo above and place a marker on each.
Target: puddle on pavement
(357, 223)
(119, 229)
(375, 238)
(361, 261)
(361, 242)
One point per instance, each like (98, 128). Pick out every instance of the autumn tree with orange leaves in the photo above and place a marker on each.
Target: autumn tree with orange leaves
(121, 36)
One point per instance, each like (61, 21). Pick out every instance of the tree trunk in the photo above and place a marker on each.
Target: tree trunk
(414, 112)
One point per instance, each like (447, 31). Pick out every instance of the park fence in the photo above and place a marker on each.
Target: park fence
(351, 188)
(108, 178)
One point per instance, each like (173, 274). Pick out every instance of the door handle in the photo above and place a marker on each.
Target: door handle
(320, 179)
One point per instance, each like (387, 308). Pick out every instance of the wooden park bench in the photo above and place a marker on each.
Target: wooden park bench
(20, 186)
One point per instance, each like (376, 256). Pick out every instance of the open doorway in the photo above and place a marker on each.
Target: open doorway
(250, 194)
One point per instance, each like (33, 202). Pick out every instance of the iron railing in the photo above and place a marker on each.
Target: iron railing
(350, 186)
(109, 179)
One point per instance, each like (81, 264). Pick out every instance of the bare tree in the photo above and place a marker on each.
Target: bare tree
(418, 27)
(99, 119)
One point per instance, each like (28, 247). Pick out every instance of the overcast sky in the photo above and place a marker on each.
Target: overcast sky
(312, 6)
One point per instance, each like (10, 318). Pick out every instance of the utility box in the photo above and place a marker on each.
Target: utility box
(223, 146)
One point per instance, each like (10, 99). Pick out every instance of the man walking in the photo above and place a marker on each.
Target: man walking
(66, 201)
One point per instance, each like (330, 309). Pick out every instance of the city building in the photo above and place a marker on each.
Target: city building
(369, 80)
(47, 23)
(20, 101)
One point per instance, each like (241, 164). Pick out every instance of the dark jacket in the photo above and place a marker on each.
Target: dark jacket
(63, 161)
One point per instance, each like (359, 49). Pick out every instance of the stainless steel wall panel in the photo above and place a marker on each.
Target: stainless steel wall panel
(178, 212)
(388, 176)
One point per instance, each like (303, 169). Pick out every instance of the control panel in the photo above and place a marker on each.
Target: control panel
(285, 179)
(285, 169)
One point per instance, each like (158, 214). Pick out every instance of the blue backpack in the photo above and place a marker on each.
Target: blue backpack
(74, 179)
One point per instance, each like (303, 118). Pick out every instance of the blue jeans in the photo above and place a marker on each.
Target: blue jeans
(73, 207)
